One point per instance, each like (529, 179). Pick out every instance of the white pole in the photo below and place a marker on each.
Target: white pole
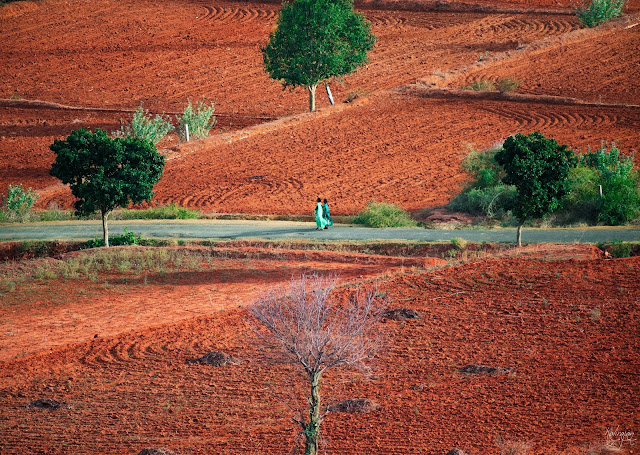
(186, 132)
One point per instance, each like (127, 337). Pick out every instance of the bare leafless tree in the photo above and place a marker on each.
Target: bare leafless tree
(304, 324)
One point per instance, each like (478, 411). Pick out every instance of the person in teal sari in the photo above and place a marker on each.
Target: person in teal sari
(320, 224)
(326, 215)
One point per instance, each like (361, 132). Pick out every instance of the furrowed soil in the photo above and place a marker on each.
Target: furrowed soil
(549, 335)
(539, 345)
(401, 139)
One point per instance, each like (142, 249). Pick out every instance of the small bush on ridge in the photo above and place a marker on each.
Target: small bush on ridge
(482, 85)
(199, 119)
(382, 214)
(143, 126)
(508, 84)
(594, 12)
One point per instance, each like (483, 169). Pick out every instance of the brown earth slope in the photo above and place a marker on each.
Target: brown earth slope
(565, 333)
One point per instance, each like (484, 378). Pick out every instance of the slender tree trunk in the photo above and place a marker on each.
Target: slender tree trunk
(312, 97)
(519, 235)
(313, 428)
(105, 228)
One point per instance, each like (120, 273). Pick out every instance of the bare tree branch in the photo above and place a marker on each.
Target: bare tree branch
(305, 325)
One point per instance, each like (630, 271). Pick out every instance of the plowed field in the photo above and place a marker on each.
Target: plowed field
(563, 333)
(90, 63)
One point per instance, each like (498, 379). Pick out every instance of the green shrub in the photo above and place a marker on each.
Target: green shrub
(620, 249)
(200, 120)
(143, 126)
(35, 248)
(492, 201)
(128, 238)
(620, 182)
(17, 203)
(485, 195)
(382, 214)
(459, 243)
(582, 202)
(168, 212)
(55, 214)
(508, 84)
(594, 12)
(482, 85)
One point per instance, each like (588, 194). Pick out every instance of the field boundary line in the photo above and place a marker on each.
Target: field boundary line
(40, 104)
(423, 91)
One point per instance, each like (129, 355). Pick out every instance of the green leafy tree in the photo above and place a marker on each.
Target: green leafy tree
(538, 167)
(316, 40)
(106, 173)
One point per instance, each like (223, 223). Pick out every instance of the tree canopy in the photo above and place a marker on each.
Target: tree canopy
(106, 173)
(538, 167)
(316, 40)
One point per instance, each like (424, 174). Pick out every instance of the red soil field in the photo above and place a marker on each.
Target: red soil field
(567, 330)
(100, 60)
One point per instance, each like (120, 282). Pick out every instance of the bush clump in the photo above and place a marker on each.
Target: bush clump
(481, 85)
(594, 12)
(168, 212)
(17, 203)
(198, 119)
(143, 126)
(128, 238)
(382, 214)
(620, 182)
(485, 195)
(620, 249)
(508, 84)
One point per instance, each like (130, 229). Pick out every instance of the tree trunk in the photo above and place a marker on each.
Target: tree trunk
(519, 235)
(312, 97)
(312, 430)
(105, 228)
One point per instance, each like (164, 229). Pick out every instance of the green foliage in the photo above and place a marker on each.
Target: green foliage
(620, 249)
(18, 202)
(35, 248)
(538, 167)
(381, 214)
(491, 201)
(486, 195)
(128, 238)
(55, 214)
(143, 126)
(106, 173)
(594, 12)
(482, 85)
(316, 40)
(620, 182)
(459, 243)
(582, 201)
(199, 119)
(508, 84)
(168, 212)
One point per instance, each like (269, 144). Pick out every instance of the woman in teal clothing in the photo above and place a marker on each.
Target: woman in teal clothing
(320, 224)
(327, 216)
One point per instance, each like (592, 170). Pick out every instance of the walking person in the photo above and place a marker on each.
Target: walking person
(320, 224)
(326, 215)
